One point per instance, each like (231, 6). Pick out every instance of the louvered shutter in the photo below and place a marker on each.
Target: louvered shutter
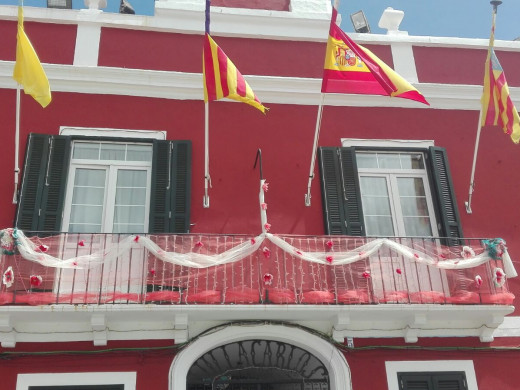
(40, 206)
(448, 213)
(332, 191)
(343, 213)
(352, 196)
(170, 187)
(432, 381)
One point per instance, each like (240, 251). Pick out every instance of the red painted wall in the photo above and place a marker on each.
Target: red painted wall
(367, 367)
(53, 43)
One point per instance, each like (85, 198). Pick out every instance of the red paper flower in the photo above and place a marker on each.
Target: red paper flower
(8, 277)
(136, 239)
(478, 281)
(199, 244)
(268, 279)
(36, 280)
(263, 206)
(329, 244)
(75, 263)
(253, 241)
(43, 248)
(266, 252)
(265, 186)
(366, 275)
(361, 254)
(398, 270)
(152, 272)
(442, 256)
(81, 243)
(416, 255)
(329, 259)
(267, 226)
(300, 253)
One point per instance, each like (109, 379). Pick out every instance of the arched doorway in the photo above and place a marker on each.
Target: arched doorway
(314, 358)
(257, 365)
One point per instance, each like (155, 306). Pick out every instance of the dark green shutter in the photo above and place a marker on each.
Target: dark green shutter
(448, 213)
(352, 197)
(170, 188)
(40, 206)
(432, 380)
(343, 213)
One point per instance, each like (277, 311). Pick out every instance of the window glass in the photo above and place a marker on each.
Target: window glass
(376, 206)
(130, 202)
(86, 214)
(113, 152)
(139, 152)
(86, 150)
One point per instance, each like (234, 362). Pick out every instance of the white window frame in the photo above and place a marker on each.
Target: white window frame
(127, 379)
(111, 167)
(430, 366)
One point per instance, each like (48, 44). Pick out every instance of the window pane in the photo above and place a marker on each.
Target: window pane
(128, 228)
(389, 160)
(411, 186)
(373, 186)
(113, 151)
(84, 228)
(412, 161)
(131, 178)
(417, 226)
(88, 196)
(139, 152)
(376, 205)
(131, 197)
(414, 207)
(90, 177)
(379, 226)
(84, 150)
(366, 160)
(129, 214)
(86, 214)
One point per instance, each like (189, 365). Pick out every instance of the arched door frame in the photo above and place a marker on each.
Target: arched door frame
(333, 360)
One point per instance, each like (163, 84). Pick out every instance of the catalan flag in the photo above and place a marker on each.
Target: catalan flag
(497, 106)
(28, 70)
(351, 68)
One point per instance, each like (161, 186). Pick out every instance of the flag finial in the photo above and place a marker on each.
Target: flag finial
(495, 4)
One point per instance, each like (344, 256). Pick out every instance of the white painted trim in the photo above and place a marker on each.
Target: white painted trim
(328, 354)
(510, 327)
(387, 143)
(392, 368)
(404, 61)
(115, 133)
(128, 379)
(86, 52)
(269, 89)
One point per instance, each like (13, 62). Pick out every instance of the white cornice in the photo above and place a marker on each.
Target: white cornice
(274, 90)
(99, 324)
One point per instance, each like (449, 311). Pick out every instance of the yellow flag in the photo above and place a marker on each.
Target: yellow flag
(28, 70)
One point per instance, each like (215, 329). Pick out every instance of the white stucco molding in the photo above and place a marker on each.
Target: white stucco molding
(328, 354)
(269, 89)
(127, 379)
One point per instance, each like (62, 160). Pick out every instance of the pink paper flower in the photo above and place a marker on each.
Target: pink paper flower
(366, 275)
(36, 280)
(268, 279)
(265, 186)
(329, 259)
(75, 263)
(253, 241)
(442, 256)
(300, 253)
(263, 206)
(152, 272)
(8, 277)
(329, 244)
(267, 226)
(136, 239)
(399, 271)
(478, 281)
(43, 248)
(266, 252)
(81, 243)
(416, 255)
(361, 254)
(199, 244)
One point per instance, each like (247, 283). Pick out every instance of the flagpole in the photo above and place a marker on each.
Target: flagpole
(16, 145)
(314, 150)
(495, 4)
(207, 178)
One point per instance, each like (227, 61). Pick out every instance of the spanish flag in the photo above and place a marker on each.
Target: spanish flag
(28, 70)
(222, 79)
(351, 68)
(497, 106)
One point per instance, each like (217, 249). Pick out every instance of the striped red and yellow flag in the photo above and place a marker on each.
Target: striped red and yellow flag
(222, 79)
(497, 107)
(351, 68)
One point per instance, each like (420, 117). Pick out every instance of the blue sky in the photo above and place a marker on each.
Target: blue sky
(442, 18)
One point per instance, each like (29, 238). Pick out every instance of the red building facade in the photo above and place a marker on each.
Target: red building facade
(138, 285)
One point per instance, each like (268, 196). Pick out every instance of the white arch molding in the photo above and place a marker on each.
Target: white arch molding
(332, 359)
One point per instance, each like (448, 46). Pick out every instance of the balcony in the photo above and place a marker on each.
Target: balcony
(355, 282)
